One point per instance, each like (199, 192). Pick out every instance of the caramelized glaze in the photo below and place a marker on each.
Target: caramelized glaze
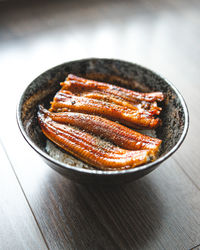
(74, 82)
(65, 101)
(84, 120)
(88, 149)
(109, 130)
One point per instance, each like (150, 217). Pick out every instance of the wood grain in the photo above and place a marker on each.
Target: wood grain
(18, 229)
(147, 214)
(160, 211)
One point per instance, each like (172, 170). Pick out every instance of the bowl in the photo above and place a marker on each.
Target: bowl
(41, 90)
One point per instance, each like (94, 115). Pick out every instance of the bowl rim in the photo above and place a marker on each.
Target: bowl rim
(96, 171)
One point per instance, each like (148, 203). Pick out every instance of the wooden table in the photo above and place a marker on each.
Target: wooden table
(40, 209)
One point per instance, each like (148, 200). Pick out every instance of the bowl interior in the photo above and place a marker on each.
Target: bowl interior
(128, 75)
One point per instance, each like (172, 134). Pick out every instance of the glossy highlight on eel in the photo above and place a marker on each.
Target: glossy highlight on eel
(89, 119)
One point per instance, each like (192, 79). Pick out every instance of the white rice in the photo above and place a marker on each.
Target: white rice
(64, 157)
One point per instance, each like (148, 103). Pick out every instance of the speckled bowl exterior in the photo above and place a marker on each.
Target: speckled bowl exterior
(41, 91)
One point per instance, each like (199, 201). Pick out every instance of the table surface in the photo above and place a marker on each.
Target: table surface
(40, 209)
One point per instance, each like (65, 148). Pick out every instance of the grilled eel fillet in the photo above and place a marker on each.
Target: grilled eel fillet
(109, 130)
(73, 82)
(66, 101)
(150, 106)
(89, 149)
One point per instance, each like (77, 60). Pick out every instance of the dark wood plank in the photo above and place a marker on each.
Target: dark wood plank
(18, 229)
(179, 47)
(147, 214)
(160, 211)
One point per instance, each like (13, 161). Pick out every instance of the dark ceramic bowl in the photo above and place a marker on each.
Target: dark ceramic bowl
(44, 87)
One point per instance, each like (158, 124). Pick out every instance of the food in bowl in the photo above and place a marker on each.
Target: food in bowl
(88, 119)
(174, 116)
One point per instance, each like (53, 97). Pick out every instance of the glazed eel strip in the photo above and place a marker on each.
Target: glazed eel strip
(73, 82)
(150, 106)
(81, 145)
(66, 101)
(112, 131)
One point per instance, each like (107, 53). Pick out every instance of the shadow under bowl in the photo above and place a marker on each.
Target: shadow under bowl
(132, 76)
